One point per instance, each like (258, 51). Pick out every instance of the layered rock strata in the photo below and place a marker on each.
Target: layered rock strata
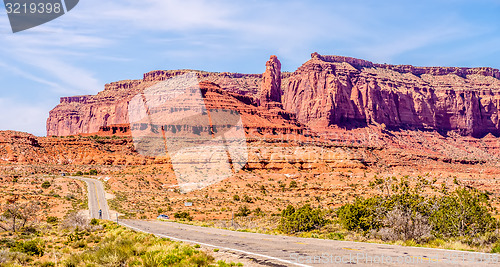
(325, 91)
(334, 90)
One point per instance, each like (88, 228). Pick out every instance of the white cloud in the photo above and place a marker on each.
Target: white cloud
(70, 54)
(27, 75)
(167, 15)
(50, 53)
(21, 116)
(73, 79)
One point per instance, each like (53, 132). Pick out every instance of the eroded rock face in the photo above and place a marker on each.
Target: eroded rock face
(91, 114)
(333, 90)
(271, 82)
(24, 148)
(325, 91)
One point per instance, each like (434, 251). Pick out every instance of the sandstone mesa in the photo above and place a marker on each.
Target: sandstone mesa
(325, 91)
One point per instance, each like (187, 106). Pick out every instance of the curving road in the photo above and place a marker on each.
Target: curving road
(97, 197)
(275, 250)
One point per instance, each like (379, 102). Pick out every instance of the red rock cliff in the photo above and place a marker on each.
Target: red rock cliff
(271, 82)
(324, 91)
(90, 114)
(330, 90)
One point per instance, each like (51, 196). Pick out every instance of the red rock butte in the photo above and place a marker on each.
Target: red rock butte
(325, 93)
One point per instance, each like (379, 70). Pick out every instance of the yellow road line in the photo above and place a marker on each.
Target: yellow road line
(424, 258)
(351, 249)
(97, 195)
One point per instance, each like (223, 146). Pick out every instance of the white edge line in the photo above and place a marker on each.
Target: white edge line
(343, 241)
(210, 245)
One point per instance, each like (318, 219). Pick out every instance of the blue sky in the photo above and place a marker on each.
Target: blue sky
(104, 41)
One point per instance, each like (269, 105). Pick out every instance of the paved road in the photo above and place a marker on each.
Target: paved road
(97, 198)
(276, 250)
(273, 250)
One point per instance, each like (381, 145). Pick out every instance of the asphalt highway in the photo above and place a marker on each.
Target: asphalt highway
(97, 198)
(276, 250)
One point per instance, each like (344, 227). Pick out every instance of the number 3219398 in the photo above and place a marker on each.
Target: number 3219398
(33, 8)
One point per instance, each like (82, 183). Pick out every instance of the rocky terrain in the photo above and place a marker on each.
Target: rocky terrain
(444, 113)
(325, 91)
(333, 90)
(323, 132)
(88, 114)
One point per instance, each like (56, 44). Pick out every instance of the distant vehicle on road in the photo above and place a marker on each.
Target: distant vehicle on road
(162, 217)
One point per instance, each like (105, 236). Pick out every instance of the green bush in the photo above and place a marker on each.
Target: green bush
(243, 211)
(302, 219)
(336, 236)
(52, 219)
(93, 172)
(94, 221)
(360, 215)
(79, 173)
(79, 244)
(183, 215)
(31, 247)
(405, 214)
(258, 212)
(236, 198)
(465, 212)
(46, 184)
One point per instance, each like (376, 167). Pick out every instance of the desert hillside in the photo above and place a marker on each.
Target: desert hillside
(329, 128)
(334, 130)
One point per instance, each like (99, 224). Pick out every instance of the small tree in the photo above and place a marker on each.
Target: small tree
(18, 215)
(302, 219)
(465, 212)
(360, 215)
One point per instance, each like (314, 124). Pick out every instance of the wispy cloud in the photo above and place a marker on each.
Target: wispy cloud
(14, 70)
(73, 79)
(50, 53)
(176, 15)
(104, 40)
(22, 117)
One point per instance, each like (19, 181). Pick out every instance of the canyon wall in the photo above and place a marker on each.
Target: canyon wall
(334, 90)
(325, 91)
(91, 114)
